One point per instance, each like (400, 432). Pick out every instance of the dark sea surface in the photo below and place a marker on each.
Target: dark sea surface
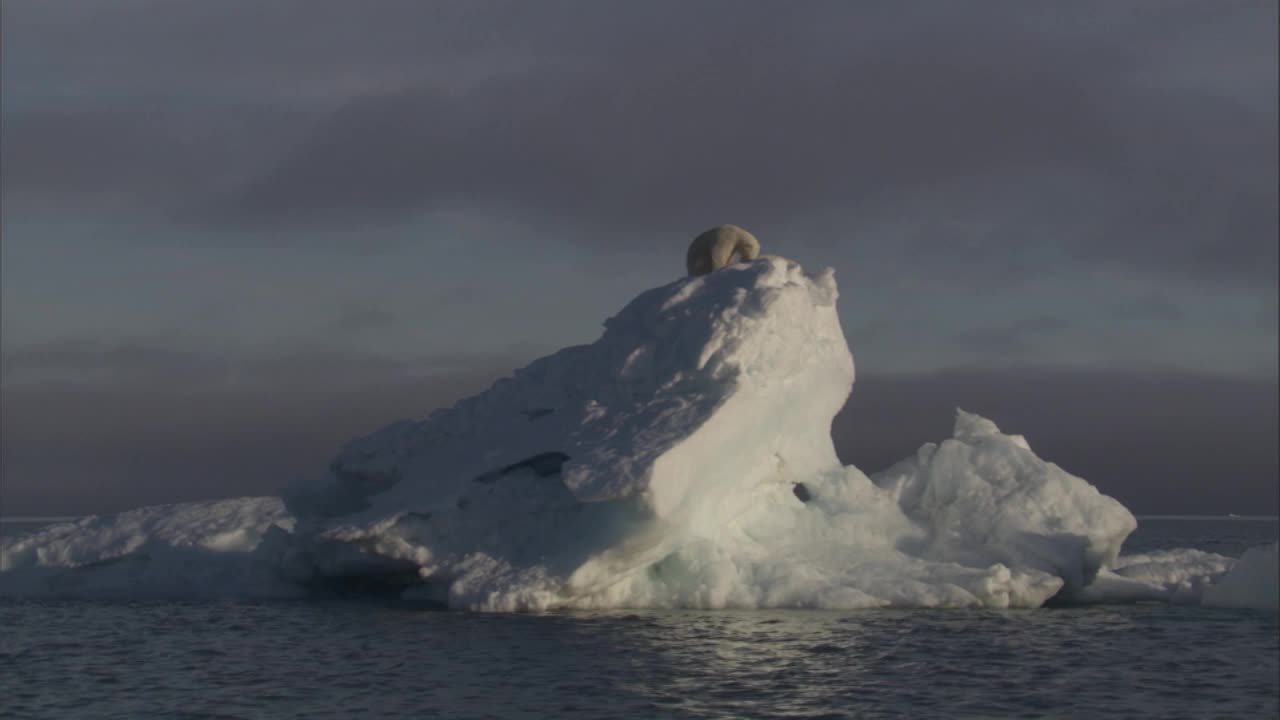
(76, 659)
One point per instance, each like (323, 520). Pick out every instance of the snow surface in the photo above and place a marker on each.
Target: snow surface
(684, 459)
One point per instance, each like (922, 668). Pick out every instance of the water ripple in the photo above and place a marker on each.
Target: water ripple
(243, 660)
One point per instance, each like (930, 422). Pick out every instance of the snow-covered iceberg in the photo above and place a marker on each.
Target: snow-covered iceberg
(684, 459)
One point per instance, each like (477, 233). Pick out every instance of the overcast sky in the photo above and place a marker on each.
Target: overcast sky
(237, 233)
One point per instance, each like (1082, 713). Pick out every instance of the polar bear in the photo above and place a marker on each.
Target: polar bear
(717, 247)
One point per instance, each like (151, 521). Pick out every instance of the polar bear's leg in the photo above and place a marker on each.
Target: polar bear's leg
(702, 253)
(699, 265)
(747, 247)
(722, 251)
(698, 261)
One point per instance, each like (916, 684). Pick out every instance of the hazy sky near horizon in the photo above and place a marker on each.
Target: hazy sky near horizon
(236, 233)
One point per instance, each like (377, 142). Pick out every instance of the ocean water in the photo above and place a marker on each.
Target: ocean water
(363, 659)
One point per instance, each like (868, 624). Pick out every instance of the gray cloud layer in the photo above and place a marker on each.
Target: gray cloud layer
(93, 427)
(1073, 121)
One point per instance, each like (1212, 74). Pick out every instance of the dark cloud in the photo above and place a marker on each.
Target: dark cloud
(1013, 339)
(102, 448)
(130, 362)
(1156, 307)
(96, 427)
(770, 122)
(146, 157)
(362, 318)
(1138, 134)
(759, 117)
(1269, 314)
(149, 365)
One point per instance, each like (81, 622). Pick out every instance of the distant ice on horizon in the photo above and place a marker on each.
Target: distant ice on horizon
(684, 459)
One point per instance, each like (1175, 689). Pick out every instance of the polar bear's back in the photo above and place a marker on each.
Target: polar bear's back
(717, 247)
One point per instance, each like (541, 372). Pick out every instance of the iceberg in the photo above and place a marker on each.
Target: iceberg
(683, 459)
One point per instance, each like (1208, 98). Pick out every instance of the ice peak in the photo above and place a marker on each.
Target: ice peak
(689, 380)
(971, 428)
